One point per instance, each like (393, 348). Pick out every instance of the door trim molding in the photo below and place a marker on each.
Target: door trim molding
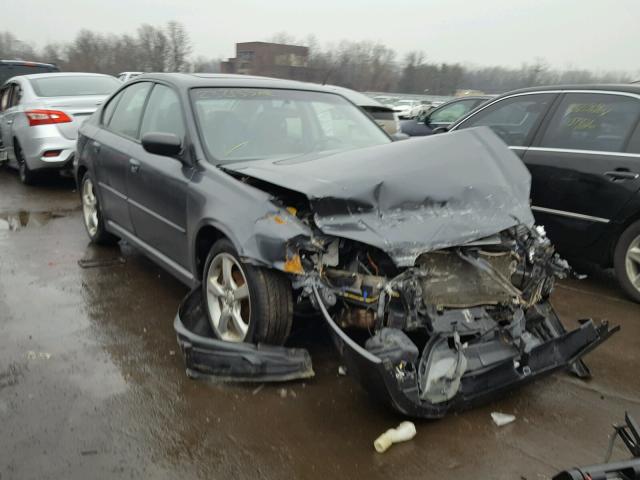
(112, 190)
(157, 216)
(142, 207)
(575, 150)
(563, 213)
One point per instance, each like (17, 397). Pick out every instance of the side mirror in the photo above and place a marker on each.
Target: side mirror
(165, 144)
(440, 130)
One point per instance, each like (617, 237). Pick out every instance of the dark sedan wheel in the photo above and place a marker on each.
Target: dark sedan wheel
(245, 303)
(627, 261)
(91, 214)
(27, 176)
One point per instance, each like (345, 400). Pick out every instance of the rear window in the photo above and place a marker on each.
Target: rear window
(66, 86)
(9, 70)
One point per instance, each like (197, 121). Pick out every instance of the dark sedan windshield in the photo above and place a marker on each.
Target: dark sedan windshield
(255, 123)
(69, 86)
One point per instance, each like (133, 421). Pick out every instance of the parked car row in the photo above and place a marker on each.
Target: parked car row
(442, 116)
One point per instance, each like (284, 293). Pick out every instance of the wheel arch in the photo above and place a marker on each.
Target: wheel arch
(208, 233)
(80, 173)
(615, 236)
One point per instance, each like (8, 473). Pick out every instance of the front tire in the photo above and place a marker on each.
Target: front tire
(245, 303)
(626, 261)
(92, 215)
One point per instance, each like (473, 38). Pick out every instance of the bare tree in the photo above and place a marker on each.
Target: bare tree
(11, 47)
(178, 47)
(205, 65)
(282, 37)
(361, 65)
(153, 46)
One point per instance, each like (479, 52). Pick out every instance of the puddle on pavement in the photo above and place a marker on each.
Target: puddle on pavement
(19, 220)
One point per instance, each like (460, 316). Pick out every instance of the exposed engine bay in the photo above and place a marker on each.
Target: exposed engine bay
(458, 313)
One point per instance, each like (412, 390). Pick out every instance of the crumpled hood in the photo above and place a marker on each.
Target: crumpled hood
(412, 196)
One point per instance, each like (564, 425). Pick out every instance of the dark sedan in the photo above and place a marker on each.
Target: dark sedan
(581, 144)
(265, 194)
(441, 117)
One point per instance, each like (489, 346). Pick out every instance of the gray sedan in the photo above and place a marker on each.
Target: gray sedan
(40, 115)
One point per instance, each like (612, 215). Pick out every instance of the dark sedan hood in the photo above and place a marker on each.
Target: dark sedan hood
(411, 196)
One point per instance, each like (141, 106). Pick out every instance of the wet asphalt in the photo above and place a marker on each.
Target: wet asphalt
(92, 383)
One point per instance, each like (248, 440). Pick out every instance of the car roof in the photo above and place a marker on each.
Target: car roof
(468, 97)
(353, 96)
(25, 62)
(608, 87)
(63, 74)
(195, 80)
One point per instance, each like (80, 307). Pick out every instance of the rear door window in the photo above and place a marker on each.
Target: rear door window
(592, 121)
(128, 112)
(514, 119)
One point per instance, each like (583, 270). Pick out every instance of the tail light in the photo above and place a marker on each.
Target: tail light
(46, 117)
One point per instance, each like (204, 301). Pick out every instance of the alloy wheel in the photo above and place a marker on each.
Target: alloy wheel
(228, 298)
(632, 262)
(89, 207)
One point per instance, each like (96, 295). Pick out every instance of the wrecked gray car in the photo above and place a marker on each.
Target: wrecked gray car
(271, 196)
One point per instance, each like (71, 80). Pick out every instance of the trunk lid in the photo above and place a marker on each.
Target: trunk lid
(78, 109)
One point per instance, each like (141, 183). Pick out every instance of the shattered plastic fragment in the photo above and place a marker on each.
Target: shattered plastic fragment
(403, 432)
(502, 419)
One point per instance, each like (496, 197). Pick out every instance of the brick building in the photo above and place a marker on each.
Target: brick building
(269, 59)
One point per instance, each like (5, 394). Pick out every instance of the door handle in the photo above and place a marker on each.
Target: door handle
(9, 122)
(96, 146)
(621, 175)
(134, 165)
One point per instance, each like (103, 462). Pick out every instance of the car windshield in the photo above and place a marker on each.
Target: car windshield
(256, 123)
(69, 86)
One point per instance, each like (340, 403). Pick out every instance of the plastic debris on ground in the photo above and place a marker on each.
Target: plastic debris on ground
(502, 419)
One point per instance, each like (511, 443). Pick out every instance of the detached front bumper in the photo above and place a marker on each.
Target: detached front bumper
(398, 386)
(207, 357)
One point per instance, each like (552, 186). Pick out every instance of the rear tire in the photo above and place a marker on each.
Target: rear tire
(264, 315)
(27, 176)
(92, 214)
(626, 261)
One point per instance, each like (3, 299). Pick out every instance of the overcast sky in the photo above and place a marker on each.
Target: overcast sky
(593, 34)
